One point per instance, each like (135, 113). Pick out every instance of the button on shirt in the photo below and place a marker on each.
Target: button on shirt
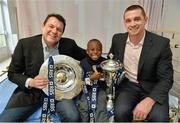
(131, 59)
(47, 53)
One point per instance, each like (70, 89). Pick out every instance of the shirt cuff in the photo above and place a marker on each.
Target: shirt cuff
(27, 82)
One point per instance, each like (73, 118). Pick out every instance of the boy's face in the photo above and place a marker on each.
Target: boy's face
(94, 50)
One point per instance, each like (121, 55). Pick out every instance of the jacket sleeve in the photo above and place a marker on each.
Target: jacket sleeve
(17, 66)
(164, 74)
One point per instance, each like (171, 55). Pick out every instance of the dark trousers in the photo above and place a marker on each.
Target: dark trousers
(101, 111)
(66, 110)
(128, 95)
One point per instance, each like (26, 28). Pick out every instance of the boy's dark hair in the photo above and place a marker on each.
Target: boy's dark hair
(95, 40)
(134, 7)
(58, 16)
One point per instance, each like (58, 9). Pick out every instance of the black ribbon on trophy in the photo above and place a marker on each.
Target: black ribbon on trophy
(48, 107)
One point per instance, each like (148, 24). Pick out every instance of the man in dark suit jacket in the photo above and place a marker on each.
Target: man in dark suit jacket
(147, 59)
(27, 59)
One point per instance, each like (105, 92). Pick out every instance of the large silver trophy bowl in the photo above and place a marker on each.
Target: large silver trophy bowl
(110, 69)
(67, 77)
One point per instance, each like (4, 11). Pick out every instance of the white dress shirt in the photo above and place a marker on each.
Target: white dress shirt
(47, 53)
(131, 59)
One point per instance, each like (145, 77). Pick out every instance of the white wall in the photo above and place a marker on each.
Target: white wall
(86, 19)
(171, 19)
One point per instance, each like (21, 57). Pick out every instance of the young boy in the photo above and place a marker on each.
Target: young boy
(93, 100)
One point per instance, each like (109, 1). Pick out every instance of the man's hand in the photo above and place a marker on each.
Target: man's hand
(38, 82)
(143, 108)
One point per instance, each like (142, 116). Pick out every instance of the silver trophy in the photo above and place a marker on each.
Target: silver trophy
(67, 77)
(110, 69)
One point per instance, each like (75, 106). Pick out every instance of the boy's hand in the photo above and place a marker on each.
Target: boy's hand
(96, 75)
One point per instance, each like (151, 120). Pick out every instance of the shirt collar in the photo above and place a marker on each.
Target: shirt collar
(45, 45)
(140, 43)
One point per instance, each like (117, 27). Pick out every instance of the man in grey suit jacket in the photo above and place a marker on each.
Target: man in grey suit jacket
(147, 59)
(27, 59)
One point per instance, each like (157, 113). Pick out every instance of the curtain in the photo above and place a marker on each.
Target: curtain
(154, 11)
(86, 19)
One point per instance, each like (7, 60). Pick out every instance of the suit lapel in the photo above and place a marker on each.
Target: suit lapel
(145, 50)
(122, 44)
(38, 45)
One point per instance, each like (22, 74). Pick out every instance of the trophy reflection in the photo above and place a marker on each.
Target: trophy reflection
(113, 74)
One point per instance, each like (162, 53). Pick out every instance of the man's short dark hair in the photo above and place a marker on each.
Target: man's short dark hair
(134, 7)
(58, 16)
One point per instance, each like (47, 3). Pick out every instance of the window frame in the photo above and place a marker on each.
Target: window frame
(4, 50)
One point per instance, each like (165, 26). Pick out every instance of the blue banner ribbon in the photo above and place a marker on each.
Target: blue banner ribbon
(91, 98)
(48, 107)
